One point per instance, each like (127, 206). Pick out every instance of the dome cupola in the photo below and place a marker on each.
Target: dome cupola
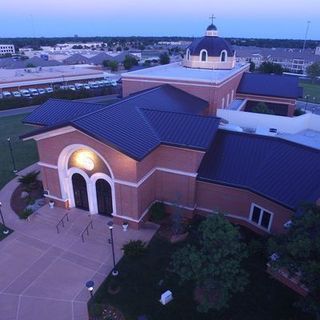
(210, 52)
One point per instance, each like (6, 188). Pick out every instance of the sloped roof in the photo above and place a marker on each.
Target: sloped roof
(282, 86)
(283, 171)
(76, 58)
(136, 125)
(100, 57)
(11, 63)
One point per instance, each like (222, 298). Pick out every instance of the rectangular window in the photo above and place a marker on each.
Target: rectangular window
(260, 216)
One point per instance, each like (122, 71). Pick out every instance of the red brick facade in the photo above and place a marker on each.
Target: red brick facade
(216, 94)
(167, 174)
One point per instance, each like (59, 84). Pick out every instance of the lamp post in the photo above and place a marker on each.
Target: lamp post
(5, 230)
(307, 100)
(114, 271)
(12, 157)
(90, 286)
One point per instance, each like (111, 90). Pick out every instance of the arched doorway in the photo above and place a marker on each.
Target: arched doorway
(80, 192)
(104, 197)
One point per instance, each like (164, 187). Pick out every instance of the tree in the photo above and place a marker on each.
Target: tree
(213, 263)
(164, 58)
(298, 251)
(113, 65)
(270, 67)
(261, 107)
(129, 62)
(252, 66)
(313, 71)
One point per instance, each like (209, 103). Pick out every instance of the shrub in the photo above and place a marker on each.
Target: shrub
(298, 112)
(157, 212)
(26, 213)
(134, 248)
(29, 179)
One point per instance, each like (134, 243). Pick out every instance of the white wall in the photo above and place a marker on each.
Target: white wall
(282, 124)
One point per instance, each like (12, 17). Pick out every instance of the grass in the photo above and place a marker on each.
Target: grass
(2, 235)
(312, 90)
(25, 153)
(139, 279)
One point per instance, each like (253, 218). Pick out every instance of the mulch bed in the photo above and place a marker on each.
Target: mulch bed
(18, 204)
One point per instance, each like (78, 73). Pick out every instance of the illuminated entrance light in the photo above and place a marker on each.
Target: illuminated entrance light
(84, 160)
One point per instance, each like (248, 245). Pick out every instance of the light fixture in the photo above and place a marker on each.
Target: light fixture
(85, 161)
(90, 286)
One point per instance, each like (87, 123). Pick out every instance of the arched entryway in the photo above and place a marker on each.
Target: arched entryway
(104, 197)
(80, 192)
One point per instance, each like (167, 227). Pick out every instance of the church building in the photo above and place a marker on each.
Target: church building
(163, 142)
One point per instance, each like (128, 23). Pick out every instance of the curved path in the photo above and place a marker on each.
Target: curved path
(43, 273)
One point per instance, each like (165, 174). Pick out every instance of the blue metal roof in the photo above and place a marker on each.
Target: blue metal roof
(213, 45)
(55, 111)
(282, 86)
(136, 125)
(282, 171)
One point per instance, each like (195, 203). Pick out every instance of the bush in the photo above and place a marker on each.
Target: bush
(134, 248)
(298, 112)
(29, 179)
(26, 213)
(157, 212)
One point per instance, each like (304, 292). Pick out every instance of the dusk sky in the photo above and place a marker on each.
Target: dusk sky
(235, 18)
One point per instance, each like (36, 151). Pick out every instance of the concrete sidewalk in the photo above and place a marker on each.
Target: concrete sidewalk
(43, 273)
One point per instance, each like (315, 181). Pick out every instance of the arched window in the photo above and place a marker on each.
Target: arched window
(188, 54)
(223, 56)
(203, 55)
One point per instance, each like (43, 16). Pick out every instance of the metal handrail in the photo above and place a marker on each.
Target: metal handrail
(61, 221)
(86, 229)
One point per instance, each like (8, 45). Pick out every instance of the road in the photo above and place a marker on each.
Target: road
(100, 99)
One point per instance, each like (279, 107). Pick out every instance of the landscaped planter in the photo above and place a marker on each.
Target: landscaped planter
(179, 237)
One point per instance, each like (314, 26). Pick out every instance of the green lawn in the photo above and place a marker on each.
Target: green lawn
(312, 90)
(25, 153)
(263, 298)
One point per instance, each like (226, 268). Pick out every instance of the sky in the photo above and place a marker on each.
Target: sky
(234, 18)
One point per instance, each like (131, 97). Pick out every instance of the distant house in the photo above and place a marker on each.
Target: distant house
(76, 59)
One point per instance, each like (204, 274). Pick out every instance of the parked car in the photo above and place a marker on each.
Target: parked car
(49, 90)
(16, 94)
(33, 91)
(93, 85)
(25, 93)
(78, 86)
(86, 86)
(41, 91)
(6, 94)
(71, 87)
(114, 83)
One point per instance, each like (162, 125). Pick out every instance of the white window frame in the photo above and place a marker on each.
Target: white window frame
(225, 56)
(200, 56)
(188, 54)
(253, 205)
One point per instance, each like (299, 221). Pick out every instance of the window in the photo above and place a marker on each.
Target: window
(188, 54)
(223, 56)
(261, 216)
(203, 55)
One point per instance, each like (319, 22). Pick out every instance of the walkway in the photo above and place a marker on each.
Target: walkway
(43, 273)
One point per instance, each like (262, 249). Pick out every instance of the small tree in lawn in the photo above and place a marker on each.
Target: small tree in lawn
(129, 62)
(299, 253)
(213, 264)
(313, 71)
(164, 58)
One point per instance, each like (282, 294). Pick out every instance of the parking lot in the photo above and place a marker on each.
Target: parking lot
(34, 92)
